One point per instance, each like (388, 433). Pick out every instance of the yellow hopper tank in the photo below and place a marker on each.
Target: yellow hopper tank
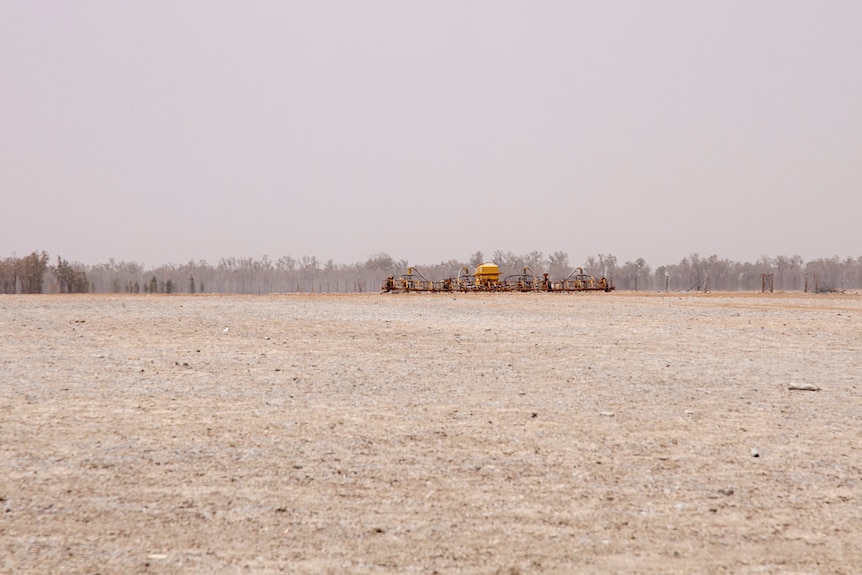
(487, 274)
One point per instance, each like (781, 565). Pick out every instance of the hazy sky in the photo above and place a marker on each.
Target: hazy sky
(163, 132)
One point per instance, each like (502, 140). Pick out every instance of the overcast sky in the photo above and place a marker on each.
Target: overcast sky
(163, 132)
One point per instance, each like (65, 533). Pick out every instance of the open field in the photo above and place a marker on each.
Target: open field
(487, 433)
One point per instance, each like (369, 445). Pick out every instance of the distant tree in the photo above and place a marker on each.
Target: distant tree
(380, 261)
(607, 265)
(114, 276)
(9, 275)
(643, 271)
(285, 263)
(633, 275)
(509, 262)
(854, 272)
(31, 271)
(558, 265)
(825, 274)
(535, 261)
(788, 272)
(72, 279)
(153, 286)
(309, 263)
(477, 259)
(191, 284)
(444, 270)
(722, 273)
(227, 264)
(691, 272)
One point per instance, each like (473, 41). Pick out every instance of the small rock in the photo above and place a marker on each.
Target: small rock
(754, 452)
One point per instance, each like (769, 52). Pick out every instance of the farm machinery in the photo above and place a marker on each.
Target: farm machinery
(487, 278)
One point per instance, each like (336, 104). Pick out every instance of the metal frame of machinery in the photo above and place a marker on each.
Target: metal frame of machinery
(486, 278)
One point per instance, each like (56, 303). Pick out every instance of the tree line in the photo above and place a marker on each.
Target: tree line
(35, 273)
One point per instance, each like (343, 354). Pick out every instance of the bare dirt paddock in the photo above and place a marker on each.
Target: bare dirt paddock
(507, 433)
